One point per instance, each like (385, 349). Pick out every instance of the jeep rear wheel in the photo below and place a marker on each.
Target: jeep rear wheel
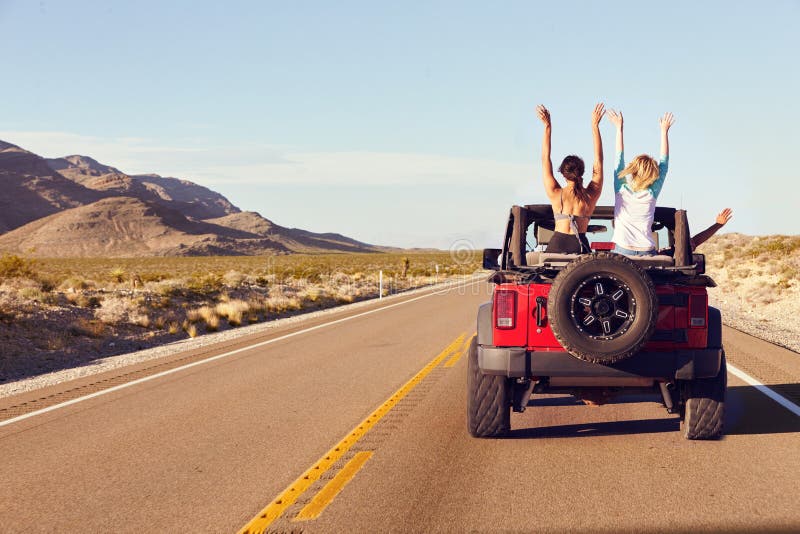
(704, 409)
(488, 400)
(603, 308)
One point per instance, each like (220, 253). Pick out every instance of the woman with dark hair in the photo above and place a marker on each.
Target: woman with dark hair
(572, 204)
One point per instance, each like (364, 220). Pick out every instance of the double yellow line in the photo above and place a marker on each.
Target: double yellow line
(314, 508)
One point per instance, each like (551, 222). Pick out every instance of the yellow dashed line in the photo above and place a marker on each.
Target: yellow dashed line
(459, 353)
(275, 509)
(332, 488)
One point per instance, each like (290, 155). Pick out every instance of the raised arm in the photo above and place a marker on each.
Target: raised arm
(663, 165)
(551, 186)
(666, 121)
(597, 167)
(722, 219)
(619, 153)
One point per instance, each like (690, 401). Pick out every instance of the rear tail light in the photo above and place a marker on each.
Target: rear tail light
(698, 311)
(505, 309)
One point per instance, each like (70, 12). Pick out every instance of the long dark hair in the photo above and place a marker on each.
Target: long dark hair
(572, 170)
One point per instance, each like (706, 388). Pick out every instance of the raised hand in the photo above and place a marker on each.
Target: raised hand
(724, 216)
(666, 121)
(597, 113)
(616, 118)
(544, 115)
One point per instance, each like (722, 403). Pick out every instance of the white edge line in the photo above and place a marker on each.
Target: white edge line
(780, 399)
(224, 355)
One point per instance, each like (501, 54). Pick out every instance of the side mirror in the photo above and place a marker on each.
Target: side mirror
(700, 261)
(490, 257)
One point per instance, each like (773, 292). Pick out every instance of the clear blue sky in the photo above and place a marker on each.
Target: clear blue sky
(411, 123)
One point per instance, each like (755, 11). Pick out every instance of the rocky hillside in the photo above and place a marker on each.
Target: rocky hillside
(77, 206)
(30, 189)
(758, 284)
(187, 197)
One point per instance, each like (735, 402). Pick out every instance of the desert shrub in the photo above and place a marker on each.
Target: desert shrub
(32, 293)
(88, 328)
(257, 305)
(173, 328)
(233, 279)
(115, 310)
(83, 301)
(161, 302)
(204, 284)
(13, 266)
(117, 275)
(6, 315)
(193, 316)
(773, 245)
(212, 323)
(140, 319)
(233, 311)
(73, 283)
(58, 340)
(281, 303)
(168, 288)
(191, 330)
(312, 294)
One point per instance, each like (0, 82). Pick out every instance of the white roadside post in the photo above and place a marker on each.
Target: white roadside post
(380, 285)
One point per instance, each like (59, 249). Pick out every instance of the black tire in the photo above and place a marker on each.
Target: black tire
(488, 400)
(704, 408)
(602, 308)
(714, 328)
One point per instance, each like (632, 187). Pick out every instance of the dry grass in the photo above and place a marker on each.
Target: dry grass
(70, 310)
(269, 269)
(233, 311)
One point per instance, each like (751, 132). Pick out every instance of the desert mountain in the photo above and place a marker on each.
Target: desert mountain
(294, 238)
(77, 206)
(126, 226)
(189, 198)
(31, 189)
(192, 199)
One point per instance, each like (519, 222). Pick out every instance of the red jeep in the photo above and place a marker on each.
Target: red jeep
(596, 325)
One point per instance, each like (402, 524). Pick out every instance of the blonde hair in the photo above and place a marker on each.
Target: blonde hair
(643, 170)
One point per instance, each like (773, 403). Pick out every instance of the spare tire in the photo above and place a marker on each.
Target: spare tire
(602, 308)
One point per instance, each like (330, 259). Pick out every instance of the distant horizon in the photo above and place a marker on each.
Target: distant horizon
(412, 127)
(331, 231)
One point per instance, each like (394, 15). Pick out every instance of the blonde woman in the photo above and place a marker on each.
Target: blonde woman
(636, 188)
(572, 204)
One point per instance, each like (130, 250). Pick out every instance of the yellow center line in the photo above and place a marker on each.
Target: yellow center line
(459, 353)
(326, 495)
(275, 509)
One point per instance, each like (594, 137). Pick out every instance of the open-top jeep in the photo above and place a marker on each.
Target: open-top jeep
(596, 325)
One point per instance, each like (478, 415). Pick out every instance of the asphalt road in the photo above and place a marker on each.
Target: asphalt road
(376, 403)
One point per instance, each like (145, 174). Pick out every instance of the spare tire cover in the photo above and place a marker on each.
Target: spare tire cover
(602, 308)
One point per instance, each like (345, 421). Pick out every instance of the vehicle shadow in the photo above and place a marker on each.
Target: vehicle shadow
(604, 428)
(569, 400)
(748, 411)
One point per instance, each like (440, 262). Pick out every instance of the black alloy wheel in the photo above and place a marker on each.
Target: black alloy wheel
(602, 308)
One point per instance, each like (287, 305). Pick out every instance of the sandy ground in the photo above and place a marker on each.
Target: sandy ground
(758, 292)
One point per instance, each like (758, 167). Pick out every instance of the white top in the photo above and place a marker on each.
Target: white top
(634, 211)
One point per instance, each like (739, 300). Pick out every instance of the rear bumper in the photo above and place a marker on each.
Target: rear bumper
(677, 364)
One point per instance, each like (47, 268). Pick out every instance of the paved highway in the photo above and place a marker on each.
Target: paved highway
(355, 422)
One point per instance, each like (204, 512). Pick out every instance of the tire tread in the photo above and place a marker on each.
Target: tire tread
(488, 406)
